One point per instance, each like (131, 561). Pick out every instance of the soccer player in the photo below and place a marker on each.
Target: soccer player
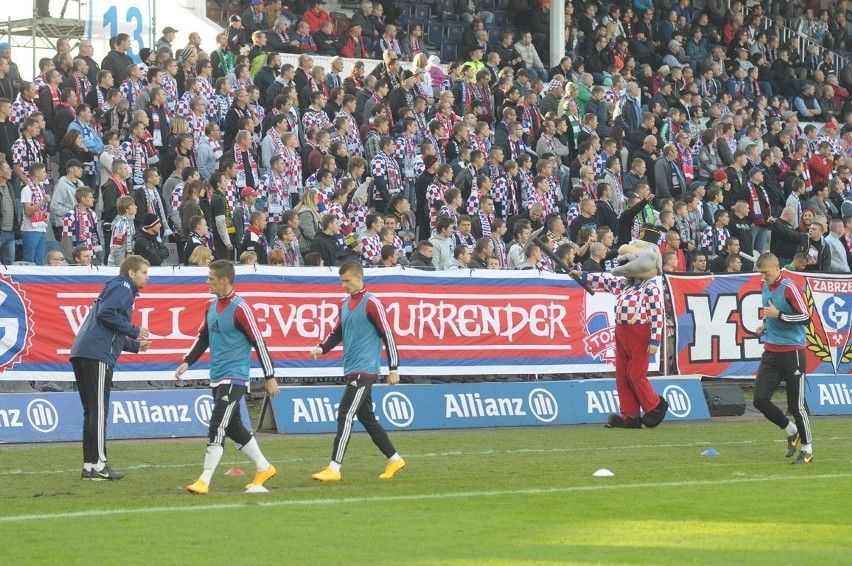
(362, 327)
(230, 331)
(785, 316)
(104, 334)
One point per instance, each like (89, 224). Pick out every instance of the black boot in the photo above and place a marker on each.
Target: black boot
(615, 421)
(655, 416)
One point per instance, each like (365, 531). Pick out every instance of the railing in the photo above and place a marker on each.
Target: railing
(805, 43)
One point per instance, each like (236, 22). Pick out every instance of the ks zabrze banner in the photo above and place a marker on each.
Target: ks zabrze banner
(716, 320)
(447, 323)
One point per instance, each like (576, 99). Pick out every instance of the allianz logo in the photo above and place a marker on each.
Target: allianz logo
(40, 413)
(540, 403)
(140, 411)
(834, 394)
(316, 410)
(606, 402)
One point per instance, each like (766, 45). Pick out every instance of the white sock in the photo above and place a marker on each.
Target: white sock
(805, 448)
(791, 428)
(211, 460)
(98, 467)
(395, 458)
(87, 466)
(252, 450)
(334, 466)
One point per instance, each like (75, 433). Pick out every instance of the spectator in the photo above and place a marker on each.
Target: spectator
(148, 243)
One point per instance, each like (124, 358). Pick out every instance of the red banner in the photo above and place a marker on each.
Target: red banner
(717, 316)
(448, 323)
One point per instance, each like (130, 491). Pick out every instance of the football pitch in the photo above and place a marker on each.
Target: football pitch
(490, 496)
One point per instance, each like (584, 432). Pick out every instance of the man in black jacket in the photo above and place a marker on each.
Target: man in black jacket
(10, 216)
(148, 243)
(786, 241)
(325, 243)
(819, 255)
(740, 227)
(421, 214)
(422, 257)
(117, 60)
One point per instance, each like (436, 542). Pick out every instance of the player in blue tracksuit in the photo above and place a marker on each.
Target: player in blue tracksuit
(785, 316)
(106, 332)
(363, 328)
(230, 331)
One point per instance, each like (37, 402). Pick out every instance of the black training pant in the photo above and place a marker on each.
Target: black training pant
(226, 419)
(94, 383)
(357, 401)
(789, 367)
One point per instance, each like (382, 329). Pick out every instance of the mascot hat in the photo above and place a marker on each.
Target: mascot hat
(650, 233)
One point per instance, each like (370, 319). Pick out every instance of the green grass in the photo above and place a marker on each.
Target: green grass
(501, 496)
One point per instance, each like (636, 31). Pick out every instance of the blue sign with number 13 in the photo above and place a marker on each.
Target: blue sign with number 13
(108, 18)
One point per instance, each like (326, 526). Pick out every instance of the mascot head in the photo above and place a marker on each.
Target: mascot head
(641, 258)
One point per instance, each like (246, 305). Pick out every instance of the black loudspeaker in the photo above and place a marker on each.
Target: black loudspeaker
(725, 400)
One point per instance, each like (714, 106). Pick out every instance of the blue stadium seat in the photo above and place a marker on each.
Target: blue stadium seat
(495, 34)
(488, 5)
(448, 52)
(501, 18)
(436, 33)
(422, 13)
(454, 32)
(501, 4)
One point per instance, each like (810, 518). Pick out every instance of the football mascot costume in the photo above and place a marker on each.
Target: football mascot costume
(639, 314)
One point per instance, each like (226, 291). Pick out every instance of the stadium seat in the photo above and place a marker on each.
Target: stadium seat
(436, 33)
(501, 4)
(422, 13)
(495, 34)
(341, 25)
(454, 32)
(448, 52)
(501, 18)
(488, 5)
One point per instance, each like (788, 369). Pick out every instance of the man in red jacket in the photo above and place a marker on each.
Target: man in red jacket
(821, 164)
(352, 43)
(316, 15)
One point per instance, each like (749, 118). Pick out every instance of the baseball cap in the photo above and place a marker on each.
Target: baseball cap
(719, 175)
(352, 241)
(406, 74)
(754, 171)
(150, 221)
(169, 29)
(234, 19)
(249, 192)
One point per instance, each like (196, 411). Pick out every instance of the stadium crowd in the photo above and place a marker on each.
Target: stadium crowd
(698, 121)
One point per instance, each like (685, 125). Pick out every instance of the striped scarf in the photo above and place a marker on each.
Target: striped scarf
(81, 86)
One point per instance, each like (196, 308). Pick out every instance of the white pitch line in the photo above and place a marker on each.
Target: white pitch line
(395, 498)
(18, 471)
(555, 450)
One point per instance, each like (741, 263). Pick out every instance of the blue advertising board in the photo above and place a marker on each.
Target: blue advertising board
(58, 417)
(828, 394)
(476, 405)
